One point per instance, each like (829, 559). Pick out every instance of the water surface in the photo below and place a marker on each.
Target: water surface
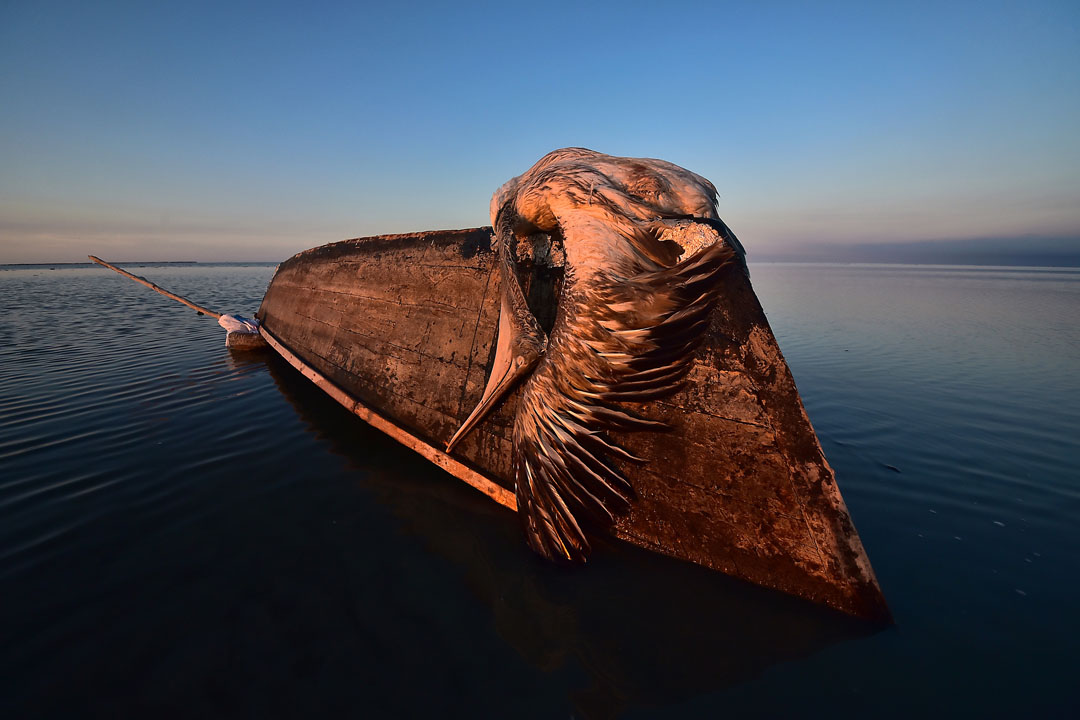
(186, 530)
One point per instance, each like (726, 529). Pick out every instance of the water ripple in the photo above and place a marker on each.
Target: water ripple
(165, 504)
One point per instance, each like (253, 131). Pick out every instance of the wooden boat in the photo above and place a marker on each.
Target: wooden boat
(400, 329)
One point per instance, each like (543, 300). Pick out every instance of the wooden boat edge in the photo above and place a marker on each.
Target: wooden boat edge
(857, 593)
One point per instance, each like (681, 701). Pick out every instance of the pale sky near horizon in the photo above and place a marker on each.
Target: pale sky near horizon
(227, 131)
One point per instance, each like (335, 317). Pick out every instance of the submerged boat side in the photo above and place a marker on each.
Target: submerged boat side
(401, 330)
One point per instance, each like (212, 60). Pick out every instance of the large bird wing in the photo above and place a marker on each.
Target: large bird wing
(626, 331)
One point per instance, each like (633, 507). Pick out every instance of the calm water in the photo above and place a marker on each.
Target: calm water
(190, 531)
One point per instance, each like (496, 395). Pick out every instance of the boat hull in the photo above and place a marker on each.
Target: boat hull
(401, 330)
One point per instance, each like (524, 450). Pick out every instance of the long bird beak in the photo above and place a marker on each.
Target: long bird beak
(508, 368)
(519, 346)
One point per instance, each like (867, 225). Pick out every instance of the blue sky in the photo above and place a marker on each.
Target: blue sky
(231, 131)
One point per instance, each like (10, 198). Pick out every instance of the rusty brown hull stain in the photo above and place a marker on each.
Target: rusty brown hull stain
(405, 325)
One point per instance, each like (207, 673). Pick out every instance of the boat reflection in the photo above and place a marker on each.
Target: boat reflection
(645, 629)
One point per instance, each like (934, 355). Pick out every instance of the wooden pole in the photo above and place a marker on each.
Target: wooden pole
(152, 286)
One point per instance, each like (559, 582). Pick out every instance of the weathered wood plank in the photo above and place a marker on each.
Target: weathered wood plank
(480, 482)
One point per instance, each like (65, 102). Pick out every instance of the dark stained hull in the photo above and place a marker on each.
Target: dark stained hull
(401, 330)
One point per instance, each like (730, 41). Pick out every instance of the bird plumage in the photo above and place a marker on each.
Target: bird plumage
(631, 315)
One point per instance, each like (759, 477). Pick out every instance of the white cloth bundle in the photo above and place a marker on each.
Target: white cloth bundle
(239, 324)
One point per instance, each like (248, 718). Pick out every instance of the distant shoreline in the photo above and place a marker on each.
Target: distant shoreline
(1068, 263)
(1026, 251)
(118, 262)
(1031, 263)
(1019, 251)
(142, 262)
